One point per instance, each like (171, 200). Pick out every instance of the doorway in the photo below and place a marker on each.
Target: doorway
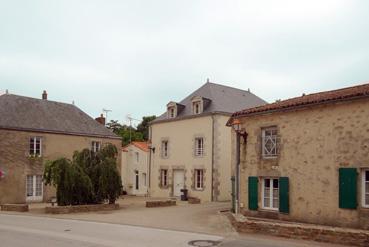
(178, 182)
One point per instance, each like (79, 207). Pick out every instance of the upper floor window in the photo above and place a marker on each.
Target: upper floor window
(164, 149)
(95, 146)
(171, 112)
(137, 157)
(199, 146)
(35, 146)
(199, 179)
(269, 142)
(196, 107)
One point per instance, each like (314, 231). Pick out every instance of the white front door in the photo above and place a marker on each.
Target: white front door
(34, 188)
(178, 182)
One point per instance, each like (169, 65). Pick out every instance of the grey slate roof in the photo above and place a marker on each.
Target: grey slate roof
(224, 99)
(30, 114)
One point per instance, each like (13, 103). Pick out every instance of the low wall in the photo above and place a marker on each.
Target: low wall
(194, 200)
(81, 208)
(154, 204)
(335, 235)
(15, 207)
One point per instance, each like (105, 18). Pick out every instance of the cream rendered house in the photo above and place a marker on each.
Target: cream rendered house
(135, 168)
(191, 145)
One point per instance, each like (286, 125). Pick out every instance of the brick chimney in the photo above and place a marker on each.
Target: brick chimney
(101, 119)
(44, 95)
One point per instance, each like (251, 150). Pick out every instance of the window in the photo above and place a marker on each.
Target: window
(144, 179)
(365, 188)
(34, 188)
(164, 149)
(269, 142)
(196, 108)
(137, 180)
(199, 146)
(164, 177)
(137, 155)
(35, 146)
(199, 179)
(95, 146)
(270, 193)
(171, 112)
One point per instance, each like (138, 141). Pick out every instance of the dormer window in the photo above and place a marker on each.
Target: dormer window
(171, 112)
(196, 107)
(174, 109)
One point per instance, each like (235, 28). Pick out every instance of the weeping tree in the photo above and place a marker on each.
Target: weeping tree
(88, 178)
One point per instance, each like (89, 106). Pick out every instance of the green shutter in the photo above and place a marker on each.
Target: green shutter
(253, 193)
(348, 188)
(284, 198)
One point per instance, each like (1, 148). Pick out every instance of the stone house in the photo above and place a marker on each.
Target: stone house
(135, 164)
(306, 159)
(33, 131)
(191, 145)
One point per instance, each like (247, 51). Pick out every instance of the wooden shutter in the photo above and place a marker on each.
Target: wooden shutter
(284, 198)
(253, 193)
(348, 188)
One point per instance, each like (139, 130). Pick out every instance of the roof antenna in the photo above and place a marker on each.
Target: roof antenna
(106, 113)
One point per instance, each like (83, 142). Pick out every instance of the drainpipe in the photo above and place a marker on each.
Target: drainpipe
(237, 182)
(149, 165)
(212, 157)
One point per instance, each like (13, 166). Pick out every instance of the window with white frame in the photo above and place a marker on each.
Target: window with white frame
(164, 177)
(35, 146)
(171, 112)
(164, 149)
(144, 179)
(199, 146)
(95, 146)
(269, 142)
(34, 188)
(196, 107)
(137, 157)
(199, 179)
(270, 193)
(365, 188)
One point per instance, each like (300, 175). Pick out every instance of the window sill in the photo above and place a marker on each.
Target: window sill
(269, 157)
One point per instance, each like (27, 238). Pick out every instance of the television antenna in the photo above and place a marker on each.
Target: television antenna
(106, 111)
(129, 118)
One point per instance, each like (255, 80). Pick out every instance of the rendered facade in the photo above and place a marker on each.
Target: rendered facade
(191, 145)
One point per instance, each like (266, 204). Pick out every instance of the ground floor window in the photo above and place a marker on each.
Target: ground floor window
(164, 177)
(137, 180)
(199, 179)
(144, 179)
(34, 188)
(270, 193)
(365, 188)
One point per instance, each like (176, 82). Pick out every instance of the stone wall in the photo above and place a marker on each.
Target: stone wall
(161, 203)
(81, 208)
(314, 143)
(15, 207)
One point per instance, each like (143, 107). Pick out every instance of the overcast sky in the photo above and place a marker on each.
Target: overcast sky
(133, 57)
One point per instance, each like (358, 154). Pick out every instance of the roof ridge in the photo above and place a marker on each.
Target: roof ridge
(42, 100)
(221, 85)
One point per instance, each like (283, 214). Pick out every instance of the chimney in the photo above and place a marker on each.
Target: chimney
(44, 95)
(101, 119)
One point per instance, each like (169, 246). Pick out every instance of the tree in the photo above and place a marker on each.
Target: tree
(86, 179)
(114, 126)
(143, 127)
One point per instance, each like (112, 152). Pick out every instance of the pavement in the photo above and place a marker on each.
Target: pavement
(135, 223)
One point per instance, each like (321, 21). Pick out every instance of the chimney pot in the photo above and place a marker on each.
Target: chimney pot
(101, 119)
(44, 95)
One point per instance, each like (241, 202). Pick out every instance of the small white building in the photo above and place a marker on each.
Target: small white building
(135, 161)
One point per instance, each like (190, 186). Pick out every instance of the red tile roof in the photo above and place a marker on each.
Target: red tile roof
(326, 97)
(144, 146)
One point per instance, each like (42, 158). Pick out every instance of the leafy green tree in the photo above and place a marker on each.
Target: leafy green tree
(89, 178)
(143, 127)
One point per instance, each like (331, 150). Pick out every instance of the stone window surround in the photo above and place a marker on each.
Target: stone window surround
(172, 106)
(161, 170)
(96, 146)
(32, 151)
(363, 188)
(164, 139)
(275, 142)
(197, 136)
(193, 177)
(197, 179)
(259, 145)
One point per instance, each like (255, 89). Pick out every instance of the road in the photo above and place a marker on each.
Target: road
(30, 231)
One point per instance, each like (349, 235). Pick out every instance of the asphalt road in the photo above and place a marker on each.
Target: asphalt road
(28, 231)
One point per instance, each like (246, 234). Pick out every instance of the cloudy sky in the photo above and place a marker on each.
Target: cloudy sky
(133, 57)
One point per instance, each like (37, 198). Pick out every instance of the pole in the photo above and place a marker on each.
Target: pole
(237, 182)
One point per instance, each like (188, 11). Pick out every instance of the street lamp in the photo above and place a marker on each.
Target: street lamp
(236, 126)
